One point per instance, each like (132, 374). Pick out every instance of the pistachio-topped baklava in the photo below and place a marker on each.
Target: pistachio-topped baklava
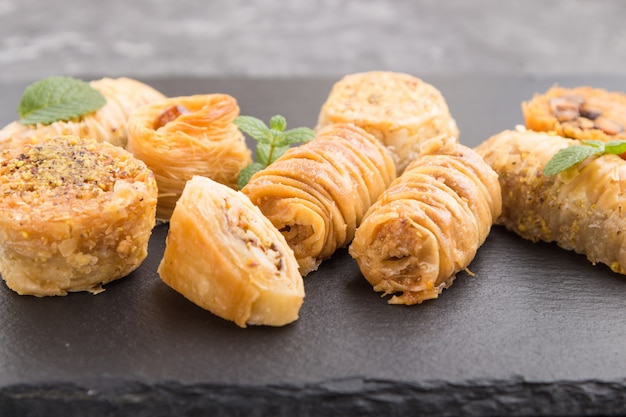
(74, 214)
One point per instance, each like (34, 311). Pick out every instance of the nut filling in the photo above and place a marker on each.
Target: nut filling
(169, 115)
(573, 111)
(75, 214)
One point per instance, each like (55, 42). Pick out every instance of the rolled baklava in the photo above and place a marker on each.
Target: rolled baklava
(400, 110)
(180, 137)
(428, 225)
(580, 209)
(223, 255)
(578, 113)
(316, 194)
(74, 214)
(108, 124)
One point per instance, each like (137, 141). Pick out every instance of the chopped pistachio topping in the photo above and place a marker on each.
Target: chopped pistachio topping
(60, 167)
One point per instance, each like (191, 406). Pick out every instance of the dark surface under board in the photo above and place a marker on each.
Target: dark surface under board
(537, 330)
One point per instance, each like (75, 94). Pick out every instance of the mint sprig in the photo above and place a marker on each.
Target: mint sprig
(568, 157)
(272, 141)
(58, 98)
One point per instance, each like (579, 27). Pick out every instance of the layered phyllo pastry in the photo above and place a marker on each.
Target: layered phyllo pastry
(74, 214)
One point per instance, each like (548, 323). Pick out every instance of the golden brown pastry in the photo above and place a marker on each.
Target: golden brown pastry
(316, 194)
(399, 109)
(428, 225)
(108, 124)
(180, 137)
(226, 257)
(581, 209)
(578, 113)
(74, 214)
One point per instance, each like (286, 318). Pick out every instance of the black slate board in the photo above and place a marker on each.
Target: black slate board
(537, 330)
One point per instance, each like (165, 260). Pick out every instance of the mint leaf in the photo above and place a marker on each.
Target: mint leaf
(276, 136)
(278, 122)
(263, 151)
(300, 135)
(273, 141)
(297, 135)
(570, 156)
(278, 152)
(247, 173)
(615, 146)
(266, 154)
(593, 142)
(254, 127)
(56, 99)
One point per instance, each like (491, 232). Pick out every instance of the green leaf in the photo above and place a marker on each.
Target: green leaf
(593, 142)
(294, 136)
(247, 173)
(276, 135)
(254, 127)
(570, 156)
(278, 122)
(616, 147)
(300, 135)
(263, 151)
(54, 99)
(277, 153)
(272, 142)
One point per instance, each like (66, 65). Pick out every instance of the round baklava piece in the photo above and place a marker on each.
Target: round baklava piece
(181, 137)
(400, 110)
(74, 214)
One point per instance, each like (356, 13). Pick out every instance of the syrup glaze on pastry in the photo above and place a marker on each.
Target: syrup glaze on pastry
(180, 137)
(400, 110)
(580, 209)
(225, 256)
(316, 194)
(428, 225)
(74, 214)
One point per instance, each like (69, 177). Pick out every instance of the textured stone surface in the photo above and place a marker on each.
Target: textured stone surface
(287, 38)
(538, 331)
(349, 397)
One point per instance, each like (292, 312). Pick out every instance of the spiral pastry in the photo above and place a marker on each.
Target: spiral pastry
(400, 110)
(316, 194)
(428, 225)
(107, 124)
(226, 257)
(180, 137)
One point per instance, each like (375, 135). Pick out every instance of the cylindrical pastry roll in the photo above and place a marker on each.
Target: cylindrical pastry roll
(225, 256)
(180, 137)
(74, 214)
(316, 194)
(428, 225)
(580, 209)
(578, 113)
(107, 124)
(399, 109)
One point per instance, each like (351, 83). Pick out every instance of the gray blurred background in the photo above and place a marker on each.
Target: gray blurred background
(287, 38)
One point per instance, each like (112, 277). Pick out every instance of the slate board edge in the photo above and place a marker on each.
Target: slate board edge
(353, 396)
